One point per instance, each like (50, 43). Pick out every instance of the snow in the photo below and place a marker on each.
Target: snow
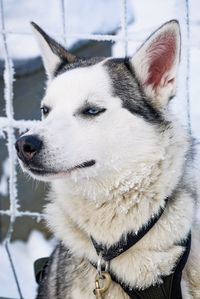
(4, 178)
(24, 255)
(105, 18)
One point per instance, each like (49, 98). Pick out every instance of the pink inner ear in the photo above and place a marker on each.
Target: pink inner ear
(161, 55)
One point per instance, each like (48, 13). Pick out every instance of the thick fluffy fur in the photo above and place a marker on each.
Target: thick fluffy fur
(142, 156)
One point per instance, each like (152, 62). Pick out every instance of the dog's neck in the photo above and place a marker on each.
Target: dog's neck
(126, 206)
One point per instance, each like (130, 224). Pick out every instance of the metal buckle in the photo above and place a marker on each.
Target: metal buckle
(102, 278)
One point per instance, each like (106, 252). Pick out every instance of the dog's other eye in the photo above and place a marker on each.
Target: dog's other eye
(93, 111)
(45, 110)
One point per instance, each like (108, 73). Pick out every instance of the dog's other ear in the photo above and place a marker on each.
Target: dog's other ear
(53, 54)
(156, 63)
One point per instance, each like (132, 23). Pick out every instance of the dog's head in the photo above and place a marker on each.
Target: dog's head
(101, 116)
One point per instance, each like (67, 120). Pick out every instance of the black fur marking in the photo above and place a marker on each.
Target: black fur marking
(127, 87)
(60, 67)
(58, 275)
(128, 66)
(80, 62)
(87, 164)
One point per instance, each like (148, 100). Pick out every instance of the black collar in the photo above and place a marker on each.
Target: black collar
(170, 288)
(128, 240)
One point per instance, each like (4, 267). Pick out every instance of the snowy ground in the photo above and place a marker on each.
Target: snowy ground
(24, 255)
(149, 15)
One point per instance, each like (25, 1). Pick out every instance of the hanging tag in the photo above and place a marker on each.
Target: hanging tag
(102, 284)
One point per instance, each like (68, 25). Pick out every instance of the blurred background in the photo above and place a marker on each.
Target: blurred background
(87, 28)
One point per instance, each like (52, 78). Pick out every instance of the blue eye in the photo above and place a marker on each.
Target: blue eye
(93, 111)
(45, 110)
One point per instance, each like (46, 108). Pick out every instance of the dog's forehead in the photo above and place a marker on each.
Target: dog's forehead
(80, 84)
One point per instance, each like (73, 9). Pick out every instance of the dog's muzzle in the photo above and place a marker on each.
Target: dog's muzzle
(28, 147)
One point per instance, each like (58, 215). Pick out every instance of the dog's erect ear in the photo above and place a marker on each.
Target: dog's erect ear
(156, 63)
(53, 54)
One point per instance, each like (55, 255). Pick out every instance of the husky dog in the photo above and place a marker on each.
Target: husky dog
(122, 196)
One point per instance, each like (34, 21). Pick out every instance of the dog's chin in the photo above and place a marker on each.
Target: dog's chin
(44, 174)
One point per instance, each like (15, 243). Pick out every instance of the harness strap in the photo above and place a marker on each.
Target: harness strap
(40, 266)
(170, 288)
(128, 240)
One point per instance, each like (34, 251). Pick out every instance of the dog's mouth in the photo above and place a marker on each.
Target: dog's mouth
(42, 171)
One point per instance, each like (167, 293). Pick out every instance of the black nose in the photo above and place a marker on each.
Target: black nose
(27, 147)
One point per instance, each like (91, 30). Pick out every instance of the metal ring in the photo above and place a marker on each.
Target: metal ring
(99, 264)
(107, 266)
